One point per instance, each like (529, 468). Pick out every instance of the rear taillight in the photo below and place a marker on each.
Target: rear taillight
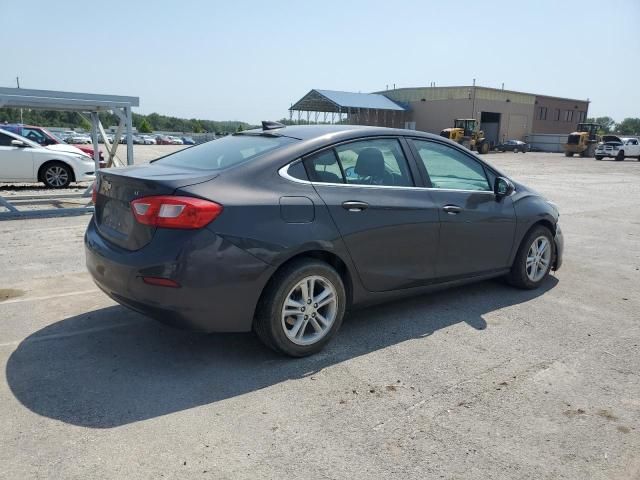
(175, 212)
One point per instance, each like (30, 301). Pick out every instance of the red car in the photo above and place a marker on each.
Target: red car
(163, 140)
(45, 138)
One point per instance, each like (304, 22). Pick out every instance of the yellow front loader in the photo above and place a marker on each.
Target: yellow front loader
(466, 132)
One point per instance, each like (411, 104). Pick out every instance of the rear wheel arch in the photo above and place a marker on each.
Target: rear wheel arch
(325, 256)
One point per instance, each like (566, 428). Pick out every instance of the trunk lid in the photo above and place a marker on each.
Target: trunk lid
(116, 188)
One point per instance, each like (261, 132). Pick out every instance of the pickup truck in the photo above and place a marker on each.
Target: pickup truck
(618, 148)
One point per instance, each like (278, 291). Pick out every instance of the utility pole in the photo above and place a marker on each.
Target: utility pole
(18, 83)
(473, 104)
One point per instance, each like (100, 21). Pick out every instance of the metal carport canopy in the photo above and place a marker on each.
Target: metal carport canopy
(337, 101)
(67, 101)
(71, 102)
(77, 102)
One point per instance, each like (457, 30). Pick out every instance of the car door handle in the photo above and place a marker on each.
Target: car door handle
(452, 209)
(355, 206)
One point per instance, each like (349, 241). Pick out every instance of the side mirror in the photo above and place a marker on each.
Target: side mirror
(18, 143)
(503, 187)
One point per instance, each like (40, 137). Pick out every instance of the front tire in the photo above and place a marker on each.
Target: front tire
(620, 156)
(301, 308)
(533, 260)
(598, 157)
(57, 175)
(568, 154)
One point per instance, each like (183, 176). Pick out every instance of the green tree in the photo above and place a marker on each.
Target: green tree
(629, 126)
(239, 128)
(607, 124)
(85, 124)
(145, 127)
(196, 127)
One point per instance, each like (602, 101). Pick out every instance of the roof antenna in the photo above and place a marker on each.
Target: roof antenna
(267, 125)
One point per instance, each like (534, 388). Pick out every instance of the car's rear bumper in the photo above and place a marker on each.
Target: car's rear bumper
(559, 241)
(220, 284)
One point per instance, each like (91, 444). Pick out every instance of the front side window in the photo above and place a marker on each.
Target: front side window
(225, 152)
(34, 135)
(374, 162)
(450, 169)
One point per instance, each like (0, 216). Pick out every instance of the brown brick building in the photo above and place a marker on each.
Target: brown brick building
(503, 114)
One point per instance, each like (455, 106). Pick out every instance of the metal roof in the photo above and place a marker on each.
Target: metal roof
(67, 101)
(337, 101)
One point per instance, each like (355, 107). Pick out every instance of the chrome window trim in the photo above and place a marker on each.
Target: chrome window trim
(283, 172)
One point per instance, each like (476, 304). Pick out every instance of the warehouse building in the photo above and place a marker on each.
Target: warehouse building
(503, 114)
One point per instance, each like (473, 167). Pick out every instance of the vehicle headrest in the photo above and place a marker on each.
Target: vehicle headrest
(370, 163)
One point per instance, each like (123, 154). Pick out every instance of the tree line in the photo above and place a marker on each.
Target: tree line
(143, 123)
(628, 126)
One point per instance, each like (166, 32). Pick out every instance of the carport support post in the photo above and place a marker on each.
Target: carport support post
(127, 112)
(94, 139)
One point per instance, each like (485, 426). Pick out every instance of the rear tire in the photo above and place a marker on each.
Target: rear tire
(293, 322)
(57, 175)
(620, 156)
(532, 264)
(598, 157)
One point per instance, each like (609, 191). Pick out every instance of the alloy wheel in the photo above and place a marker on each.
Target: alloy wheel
(56, 176)
(538, 258)
(309, 310)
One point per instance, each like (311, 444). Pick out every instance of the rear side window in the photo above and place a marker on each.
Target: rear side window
(225, 152)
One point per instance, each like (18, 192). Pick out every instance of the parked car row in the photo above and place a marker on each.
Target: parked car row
(172, 140)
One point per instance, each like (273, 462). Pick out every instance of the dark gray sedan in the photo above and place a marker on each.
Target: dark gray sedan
(514, 146)
(283, 229)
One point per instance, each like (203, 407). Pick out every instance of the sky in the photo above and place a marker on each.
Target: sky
(250, 60)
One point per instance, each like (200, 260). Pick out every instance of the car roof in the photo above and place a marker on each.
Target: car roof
(308, 132)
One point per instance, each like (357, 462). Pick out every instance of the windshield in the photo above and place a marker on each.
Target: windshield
(225, 152)
(53, 135)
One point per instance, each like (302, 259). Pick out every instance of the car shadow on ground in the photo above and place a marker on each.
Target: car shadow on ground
(112, 367)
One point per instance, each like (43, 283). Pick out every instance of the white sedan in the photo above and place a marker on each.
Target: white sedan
(22, 160)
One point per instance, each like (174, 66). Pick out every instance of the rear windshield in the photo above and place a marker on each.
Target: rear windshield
(225, 152)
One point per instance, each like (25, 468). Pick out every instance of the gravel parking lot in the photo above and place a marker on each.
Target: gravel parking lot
(478, 382)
